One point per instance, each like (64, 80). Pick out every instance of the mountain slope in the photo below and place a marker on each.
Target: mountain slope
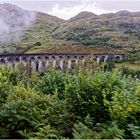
(86, 32)
(118, 30)
(23, 29)
(40, 32)
(14, 19)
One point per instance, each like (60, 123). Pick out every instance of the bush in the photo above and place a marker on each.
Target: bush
(128, 72)
(27, 114)
(97, 104)
(51, 82)
(37, 44)
(6, 82)
(99, 131)
(100, 41)
(133, 56)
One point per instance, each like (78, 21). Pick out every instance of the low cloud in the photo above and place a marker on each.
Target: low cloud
(13, 20)
(84, 5)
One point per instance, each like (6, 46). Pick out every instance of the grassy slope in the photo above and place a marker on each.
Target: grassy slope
(105, 32)
(130, 65)
(84, 33)
(40, 32)
(111, 30)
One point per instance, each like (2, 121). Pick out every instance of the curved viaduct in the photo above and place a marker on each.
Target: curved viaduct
(41, 61)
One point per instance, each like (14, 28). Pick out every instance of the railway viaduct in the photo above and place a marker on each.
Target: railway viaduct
(41, 61)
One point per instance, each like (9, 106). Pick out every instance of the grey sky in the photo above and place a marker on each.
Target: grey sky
(68, 8)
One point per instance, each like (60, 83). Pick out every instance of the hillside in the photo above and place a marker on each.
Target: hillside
(84, 33)
(119, 30)
(13, 20)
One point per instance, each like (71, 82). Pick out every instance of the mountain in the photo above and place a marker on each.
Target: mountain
(83, 15)
(34, 32)
(119, 30)
(13, 19)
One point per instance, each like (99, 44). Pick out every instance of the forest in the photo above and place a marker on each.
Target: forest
(77, 104)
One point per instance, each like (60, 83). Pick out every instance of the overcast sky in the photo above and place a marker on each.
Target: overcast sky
(68, 8)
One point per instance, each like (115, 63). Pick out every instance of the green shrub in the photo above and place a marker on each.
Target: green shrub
(128, 72)
(80, 105)
(134, 131)
(100, 41)
(99, 131)
(15, 114)
(5, 84)
(133, 56)
(87, 94)
(52, 81)
(37, 44)
(28, 114)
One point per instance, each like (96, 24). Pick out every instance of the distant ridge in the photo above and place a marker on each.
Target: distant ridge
(82, 15)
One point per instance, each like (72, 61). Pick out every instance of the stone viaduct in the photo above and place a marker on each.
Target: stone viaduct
(40, 61)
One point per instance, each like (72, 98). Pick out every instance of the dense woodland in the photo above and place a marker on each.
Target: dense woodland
(77, 104)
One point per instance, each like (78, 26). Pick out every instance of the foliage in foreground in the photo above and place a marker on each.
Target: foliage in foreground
(102, 105)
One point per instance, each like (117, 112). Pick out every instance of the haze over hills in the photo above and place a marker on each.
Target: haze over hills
(13, 20)
(34, 32)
